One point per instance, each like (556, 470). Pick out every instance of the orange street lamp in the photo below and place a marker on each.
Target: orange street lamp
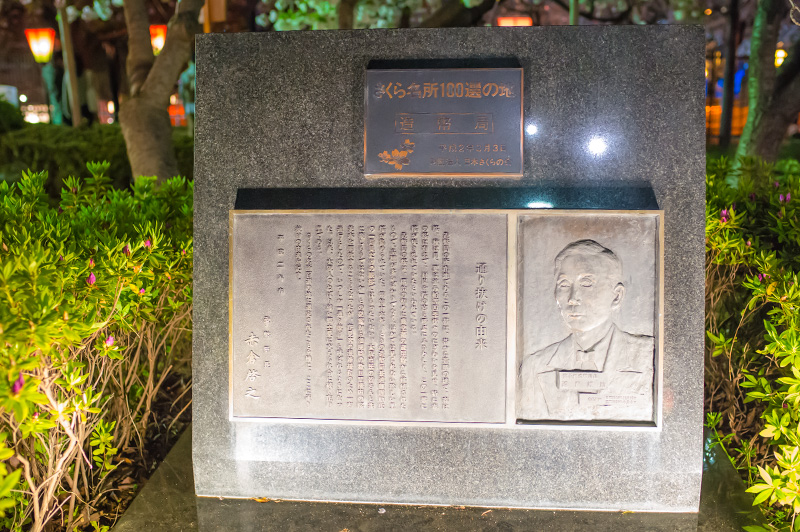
(41, 41)
(514, 21)
(158, 34)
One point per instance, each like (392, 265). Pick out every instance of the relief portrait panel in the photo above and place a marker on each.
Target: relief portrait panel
(588, 327)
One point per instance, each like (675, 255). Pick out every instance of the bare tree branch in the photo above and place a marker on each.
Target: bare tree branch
(176, 52)
(140, 52)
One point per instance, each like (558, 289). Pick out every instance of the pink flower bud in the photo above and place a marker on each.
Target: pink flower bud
(788, 197)
(781, 198)
(141, 291)
(724, 213)
(109, 341)
(18, 384)
(91, 263)
(126, 251)
(183, 252)
(748, 243)
(147, 243)
(91, 279)
(776, 184)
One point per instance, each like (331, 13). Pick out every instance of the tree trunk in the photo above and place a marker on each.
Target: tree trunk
(765, 138)
(726, 120)
(774, 93)
(148, 137)
(346, 8)
(453, 14)
(144, 116)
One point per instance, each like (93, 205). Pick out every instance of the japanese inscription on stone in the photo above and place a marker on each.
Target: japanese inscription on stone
(443, 122)
(390, 316)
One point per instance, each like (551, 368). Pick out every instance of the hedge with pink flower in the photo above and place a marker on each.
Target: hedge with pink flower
(95, 314)
(753, 326)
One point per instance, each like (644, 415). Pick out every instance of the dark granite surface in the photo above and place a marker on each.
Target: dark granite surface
(285, 109)
(167, 502)
(597, 197)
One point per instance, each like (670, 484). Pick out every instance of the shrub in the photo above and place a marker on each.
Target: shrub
(753, 326)
(95, 312)
(10, 117)
(62, 151)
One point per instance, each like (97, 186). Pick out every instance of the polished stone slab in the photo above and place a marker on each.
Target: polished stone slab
(167, 502)
(618, 107)
(619, 196)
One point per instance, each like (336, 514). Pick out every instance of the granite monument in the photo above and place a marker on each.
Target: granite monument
(481, 327)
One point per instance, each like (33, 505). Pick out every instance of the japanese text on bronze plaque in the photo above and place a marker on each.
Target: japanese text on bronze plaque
(443, 122)
(368, 316)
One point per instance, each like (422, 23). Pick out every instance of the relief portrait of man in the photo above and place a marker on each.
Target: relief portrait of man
(599, 372)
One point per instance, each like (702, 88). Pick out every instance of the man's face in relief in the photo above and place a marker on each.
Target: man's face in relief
(587, 291)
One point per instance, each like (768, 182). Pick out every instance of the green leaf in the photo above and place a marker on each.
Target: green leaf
(763, 496)
(10, 482)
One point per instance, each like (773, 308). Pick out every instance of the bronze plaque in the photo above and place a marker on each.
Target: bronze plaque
(369, 316)
(447, 123)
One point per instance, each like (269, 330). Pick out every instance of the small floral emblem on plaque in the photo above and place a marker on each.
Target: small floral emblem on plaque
(398, 157)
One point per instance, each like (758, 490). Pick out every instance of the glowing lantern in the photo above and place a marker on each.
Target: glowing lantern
(41, 41)
(514, 21)
(780, 56)
(158, 34)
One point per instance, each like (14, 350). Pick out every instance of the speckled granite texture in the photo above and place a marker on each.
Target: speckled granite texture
(167, 502)
(286, 110)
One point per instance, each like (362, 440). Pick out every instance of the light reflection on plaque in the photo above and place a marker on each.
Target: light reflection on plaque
(389, 316)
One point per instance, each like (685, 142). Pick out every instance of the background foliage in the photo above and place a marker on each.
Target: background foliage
(95, 316)
(10, 117)
(753, 327)
(63, 151)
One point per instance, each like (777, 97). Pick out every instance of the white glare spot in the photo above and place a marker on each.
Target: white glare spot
(23, 98)
(540, 205)
(531, 129)
(597, 146)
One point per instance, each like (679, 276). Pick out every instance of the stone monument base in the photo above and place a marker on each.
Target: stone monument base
(168, 502)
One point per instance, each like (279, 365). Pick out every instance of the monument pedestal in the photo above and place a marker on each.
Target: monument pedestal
(167, 502)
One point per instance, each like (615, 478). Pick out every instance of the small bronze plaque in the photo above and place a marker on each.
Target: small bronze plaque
(443, 123)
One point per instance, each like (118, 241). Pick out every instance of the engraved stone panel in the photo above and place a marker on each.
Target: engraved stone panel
(588, 317)
(367, 316)
(456, 122)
